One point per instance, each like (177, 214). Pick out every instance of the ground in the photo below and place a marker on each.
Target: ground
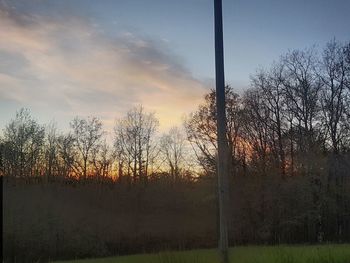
(247, 254)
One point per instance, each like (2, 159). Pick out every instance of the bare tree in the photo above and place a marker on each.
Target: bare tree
(346, 52)
(87, 134)
(270, 86)
(134, 141)
(102, 160)
(23, 141)
(51, 150)
(302, 91)
(335, 100)
(172, 145)
(67, 155)
(335, 97)
(256, 128)
(202, 134)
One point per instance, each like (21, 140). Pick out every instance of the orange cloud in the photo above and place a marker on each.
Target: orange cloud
(69, 67)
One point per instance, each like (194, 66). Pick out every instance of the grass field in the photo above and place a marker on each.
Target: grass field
(249, 254)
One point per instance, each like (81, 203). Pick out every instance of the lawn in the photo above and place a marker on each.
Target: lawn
(249, 254)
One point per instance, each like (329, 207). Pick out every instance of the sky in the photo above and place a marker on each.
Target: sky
(67, 58)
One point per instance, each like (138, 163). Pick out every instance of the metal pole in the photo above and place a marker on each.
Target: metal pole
(222, 164)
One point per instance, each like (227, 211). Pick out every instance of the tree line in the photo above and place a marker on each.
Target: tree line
(297, 107)
(289, 141)
(30, 150)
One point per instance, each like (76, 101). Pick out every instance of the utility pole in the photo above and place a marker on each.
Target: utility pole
(222, 163)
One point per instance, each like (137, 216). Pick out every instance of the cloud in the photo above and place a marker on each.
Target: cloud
(66, 66)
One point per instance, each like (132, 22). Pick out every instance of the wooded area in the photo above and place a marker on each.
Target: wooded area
(74, 194)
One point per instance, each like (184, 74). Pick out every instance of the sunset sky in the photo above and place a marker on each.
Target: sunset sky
(62, 58)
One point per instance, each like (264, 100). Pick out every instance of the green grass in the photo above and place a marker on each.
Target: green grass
(249, 254)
